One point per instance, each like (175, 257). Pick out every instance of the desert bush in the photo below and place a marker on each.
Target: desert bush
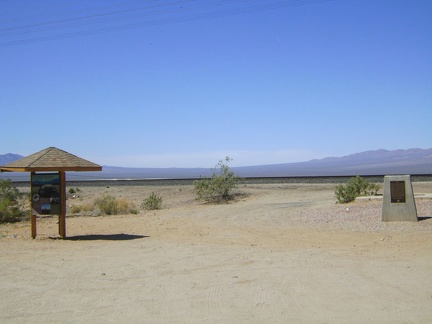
(7, 190)
(13, 207)
(355, 187)
(75, 209)
(73, 190)
(125, 206)
(218, 188)
(82, 208)
(9, 212)
(109, 205)
(153, 202)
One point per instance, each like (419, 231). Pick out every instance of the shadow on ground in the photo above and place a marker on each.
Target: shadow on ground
(104, 237)
(422, 218)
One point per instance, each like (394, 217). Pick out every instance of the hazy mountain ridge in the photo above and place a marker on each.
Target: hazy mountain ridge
(381, 154)
(378, 162)
(9, 157)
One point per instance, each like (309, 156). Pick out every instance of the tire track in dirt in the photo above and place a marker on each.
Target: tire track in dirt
(214, 297)
(262, 297)
(41, 305)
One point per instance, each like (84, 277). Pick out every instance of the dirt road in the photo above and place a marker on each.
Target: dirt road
(281, 253)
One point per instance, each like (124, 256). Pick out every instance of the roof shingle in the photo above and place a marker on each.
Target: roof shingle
(51, 159)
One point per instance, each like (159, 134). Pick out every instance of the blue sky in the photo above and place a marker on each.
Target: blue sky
(186, 83)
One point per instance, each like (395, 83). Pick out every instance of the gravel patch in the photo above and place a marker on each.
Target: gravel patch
(365, 217)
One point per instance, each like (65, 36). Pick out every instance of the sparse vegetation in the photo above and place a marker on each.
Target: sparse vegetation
(13, 207)
(125, 206)
(82, 208)
(153, 202)
(73, 191)
(218, 188)
(355, 187)
(75, 209)
(109, 205)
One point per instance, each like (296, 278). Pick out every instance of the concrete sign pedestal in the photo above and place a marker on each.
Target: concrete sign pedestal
(398, 200)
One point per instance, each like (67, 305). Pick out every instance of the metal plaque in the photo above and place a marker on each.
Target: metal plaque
(397, 191)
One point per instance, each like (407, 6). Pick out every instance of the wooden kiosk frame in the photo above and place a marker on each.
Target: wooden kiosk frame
(52, 160)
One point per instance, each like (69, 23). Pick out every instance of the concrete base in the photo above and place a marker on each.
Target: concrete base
(398, 199)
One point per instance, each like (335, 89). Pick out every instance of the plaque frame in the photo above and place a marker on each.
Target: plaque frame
(397, 192)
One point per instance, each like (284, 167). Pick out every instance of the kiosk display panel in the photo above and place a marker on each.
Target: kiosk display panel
(45, 193)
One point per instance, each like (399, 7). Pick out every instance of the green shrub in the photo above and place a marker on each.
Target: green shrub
(7, 190)
(9, 211)
(71, 190)
(355, 187)
(153, 202)
(12, 207)
(218, 188)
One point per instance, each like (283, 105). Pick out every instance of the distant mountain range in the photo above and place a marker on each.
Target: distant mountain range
(379, 162)
(9, 157)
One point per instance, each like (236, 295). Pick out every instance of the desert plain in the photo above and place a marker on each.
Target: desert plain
(279, 253)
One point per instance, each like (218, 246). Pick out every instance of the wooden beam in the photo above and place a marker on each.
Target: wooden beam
(33, 226)
(62, 216)
(32, 216)
(49, 169)
(13, 170)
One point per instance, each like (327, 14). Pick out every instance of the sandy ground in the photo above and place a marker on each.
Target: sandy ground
(280, 253)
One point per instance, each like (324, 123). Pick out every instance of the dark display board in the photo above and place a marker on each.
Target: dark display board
(45, 193)
(397, 191)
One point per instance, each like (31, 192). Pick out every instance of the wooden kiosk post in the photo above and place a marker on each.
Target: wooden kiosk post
(33, 226)
(48, 181)
(33, 217)
(62, 215)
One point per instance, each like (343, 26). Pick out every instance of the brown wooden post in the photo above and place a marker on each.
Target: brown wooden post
(32, 217)
(33, 226)
(62, 216)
